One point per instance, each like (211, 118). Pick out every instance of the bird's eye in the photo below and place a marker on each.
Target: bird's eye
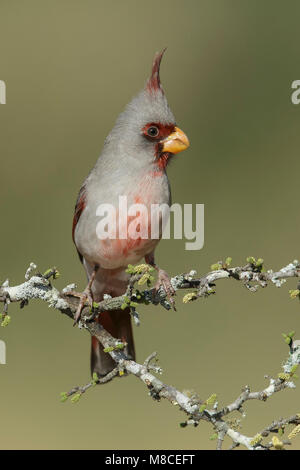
(153, 131)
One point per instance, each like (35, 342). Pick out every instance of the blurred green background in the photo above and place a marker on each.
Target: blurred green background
(70, 67)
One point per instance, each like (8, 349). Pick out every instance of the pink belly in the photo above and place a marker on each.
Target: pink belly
(122, 251)
(117, 253)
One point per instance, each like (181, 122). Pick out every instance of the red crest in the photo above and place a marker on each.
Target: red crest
(153, 83)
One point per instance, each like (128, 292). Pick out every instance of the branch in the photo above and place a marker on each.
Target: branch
(39, 286)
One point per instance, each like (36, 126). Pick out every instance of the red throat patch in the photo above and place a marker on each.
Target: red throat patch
(163, 159)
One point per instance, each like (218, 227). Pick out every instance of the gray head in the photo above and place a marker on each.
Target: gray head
(146, 129)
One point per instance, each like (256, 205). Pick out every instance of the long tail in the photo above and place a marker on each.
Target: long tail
(118, 324)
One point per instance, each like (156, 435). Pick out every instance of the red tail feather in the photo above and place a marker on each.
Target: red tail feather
(118, 324)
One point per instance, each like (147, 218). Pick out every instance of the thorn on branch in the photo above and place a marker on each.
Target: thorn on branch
(32, 267)
(23, 303)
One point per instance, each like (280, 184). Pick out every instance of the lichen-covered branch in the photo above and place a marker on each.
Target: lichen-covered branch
(252, 275)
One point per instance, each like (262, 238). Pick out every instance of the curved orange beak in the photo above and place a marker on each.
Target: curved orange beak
(176, 142)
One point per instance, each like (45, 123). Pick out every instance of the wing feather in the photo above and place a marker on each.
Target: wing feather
(79, 207)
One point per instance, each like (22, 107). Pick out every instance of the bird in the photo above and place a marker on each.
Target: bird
(132, 163)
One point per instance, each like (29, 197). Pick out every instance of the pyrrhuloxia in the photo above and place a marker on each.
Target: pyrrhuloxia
(133, 164)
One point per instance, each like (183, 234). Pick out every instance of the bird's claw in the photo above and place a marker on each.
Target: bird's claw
(165, 282)
(85, 297)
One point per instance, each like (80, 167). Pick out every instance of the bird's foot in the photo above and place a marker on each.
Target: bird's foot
(85, 297)
(165, 282)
